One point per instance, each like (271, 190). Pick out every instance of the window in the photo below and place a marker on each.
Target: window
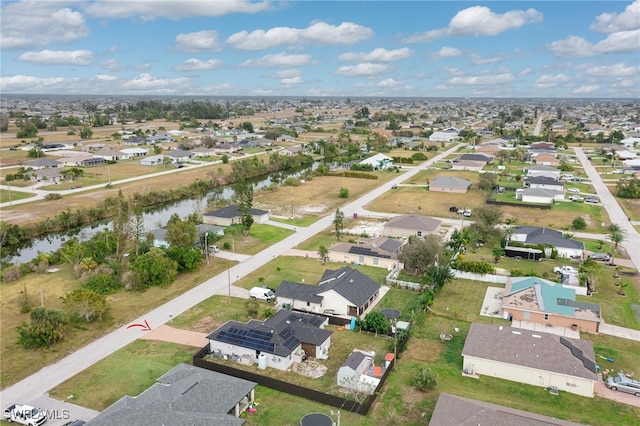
(375, 260)
(361, 259)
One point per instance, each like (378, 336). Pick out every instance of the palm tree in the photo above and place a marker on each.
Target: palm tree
(616, 234)
(323, 251)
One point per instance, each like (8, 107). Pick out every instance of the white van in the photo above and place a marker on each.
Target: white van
(262, 293)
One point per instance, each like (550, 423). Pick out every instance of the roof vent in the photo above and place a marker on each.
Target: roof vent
(516, 332)
(537, 336)
(500, 328)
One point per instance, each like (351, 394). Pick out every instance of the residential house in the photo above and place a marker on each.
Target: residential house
(543, 182)
(185, 395)
(449, 184)
(180, 155)
(448, 135)
(203, 151)
(135, 152)
(533, 236)
(539, 195)
(291, 150)
(483, 158)
(538, 301)
(154, 160)
(276, 342)
(230, 215)
(631, 142)
(546, 160)
(406, 225)
(159, 237)
(453, 410)
(380, 252)
(51, 175)
(42, 163)
(530, 357)
(468, 165)
(537, 170)
(488, 149)
(345, 292)
(378, 161)
(111, 155)
(225, 148)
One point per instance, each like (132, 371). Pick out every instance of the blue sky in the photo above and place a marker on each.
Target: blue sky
(570, 49)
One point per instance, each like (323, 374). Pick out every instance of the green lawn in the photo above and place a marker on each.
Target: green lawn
(128, 371)
(260, 237)
(7, 196)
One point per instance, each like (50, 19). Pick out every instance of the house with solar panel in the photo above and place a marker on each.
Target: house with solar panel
(530, 357)
(379, 252)
(345, 293)
(277, 342)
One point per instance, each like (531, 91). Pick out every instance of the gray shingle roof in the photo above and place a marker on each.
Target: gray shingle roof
(452, 410)
(544, 180)
(184, 395)
(450, 181)
(538, 235)
(414, 222)
(350, 283)
(232, 211)
(521, 347)
(476, 157)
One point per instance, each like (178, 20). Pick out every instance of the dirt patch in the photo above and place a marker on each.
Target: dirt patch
(309, 368)
(205, 325)
(423, 350)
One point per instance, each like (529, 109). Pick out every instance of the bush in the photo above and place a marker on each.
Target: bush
(344, 193)
(424, 379)
(473, 266)
(52, 196)
(419, 156)
(291, 181)
(226, 245)
(578, 223)
(11, 273)
(103, 283)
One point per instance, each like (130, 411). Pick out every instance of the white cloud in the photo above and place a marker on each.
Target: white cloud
(377, 55)
(576, 47)
(20, 83)
(151, 9)
(612, 70)
(28, 24)
(447, 52)
(105, 77)
(318, 33)
(278, 60)
(194, 64)
(584, 90)
(57, 57)
(112, 65)
(263, 92)
(289, 73)
(525, 72)
(614, 22)
(625, 82)
(474, 80)
(477, 60)
(200, 41)
(365, 69)
(291, 81)
(480, 21)
(546, 81)
(147, 83)
(389, 82)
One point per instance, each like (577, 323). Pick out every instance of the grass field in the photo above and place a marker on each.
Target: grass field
(259, 238)
(9, 196)
(18, 363)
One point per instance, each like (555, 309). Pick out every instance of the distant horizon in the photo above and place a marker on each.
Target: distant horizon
(583, 49)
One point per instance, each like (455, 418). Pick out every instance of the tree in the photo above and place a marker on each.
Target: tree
(487, 181)
(86, 132)
(137, 226)
(497, 252)
(578, 223)
(153, 268)
(628, 188)
(322, 252)
(338, 223)
(616, 234)
(121, 221)
(244, 194)
(181, 233)
(85, 305)
(437, 276)
(376, 322)
(187, 258)
(28, 129)
(46, 328)
(487, 217)
(419, 253)
(344, 193)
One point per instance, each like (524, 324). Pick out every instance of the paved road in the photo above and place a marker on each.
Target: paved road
(35, 386)
(616, 214)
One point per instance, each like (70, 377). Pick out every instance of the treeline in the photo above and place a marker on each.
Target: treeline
(13, 236)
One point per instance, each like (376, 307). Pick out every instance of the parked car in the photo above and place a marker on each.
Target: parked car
(394, 186)
(500, 189)
(623, 383)
(262, 293)
(214, 249)
(75, 423)
(576, 198)
(453, 209)
(570, 270)
(592, 200)
(467, 213)
(603, 257)
(573, 190)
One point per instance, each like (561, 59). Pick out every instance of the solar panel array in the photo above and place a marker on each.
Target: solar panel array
(367, 252)
(589, 364)
(253, 339)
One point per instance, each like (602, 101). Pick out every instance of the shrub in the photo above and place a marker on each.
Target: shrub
(344, 193)
(473, 266)
(419, 156)
(52, 196)
(424, 379)
(578, 223)
(11, 273)
(226, 245)
(103, 283)
(291, 181)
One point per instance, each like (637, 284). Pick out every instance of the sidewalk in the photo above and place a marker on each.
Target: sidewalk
(614, 330)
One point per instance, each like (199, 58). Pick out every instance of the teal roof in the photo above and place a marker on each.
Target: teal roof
(551, 297)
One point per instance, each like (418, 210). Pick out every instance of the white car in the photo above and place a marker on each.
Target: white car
(567, 270)
(576, 198)
(573, 190)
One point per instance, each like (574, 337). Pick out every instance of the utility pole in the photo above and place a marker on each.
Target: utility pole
(229, 281)
(292, 205)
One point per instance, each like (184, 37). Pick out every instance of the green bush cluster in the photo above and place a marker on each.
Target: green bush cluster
(473, 266)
